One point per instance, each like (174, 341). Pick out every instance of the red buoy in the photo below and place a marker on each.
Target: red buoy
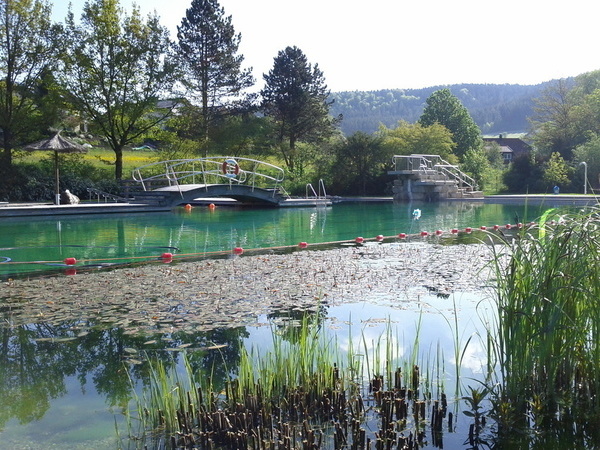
(454, 230)
(379, 238)
(508, 226)
(424, 233)
(468, 229)
(187, 207)
(167, 257)
(483, 227)
(519, 225)
(211, 206)
(303, 245)
(439, 232)
(402, 235)
(359, 240)
(238, 250)
(496, 227)
(70, 261)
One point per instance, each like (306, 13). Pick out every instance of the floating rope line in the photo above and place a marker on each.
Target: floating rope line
(169, 257)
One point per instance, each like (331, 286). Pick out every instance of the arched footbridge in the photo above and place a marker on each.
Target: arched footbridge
(174, 182)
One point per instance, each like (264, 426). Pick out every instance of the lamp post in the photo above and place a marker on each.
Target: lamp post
(584, 164)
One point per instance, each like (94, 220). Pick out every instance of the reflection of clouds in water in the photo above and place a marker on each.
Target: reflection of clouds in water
(474, 357)
(435, 336)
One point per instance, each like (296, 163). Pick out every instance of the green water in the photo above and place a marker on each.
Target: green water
(39, 245)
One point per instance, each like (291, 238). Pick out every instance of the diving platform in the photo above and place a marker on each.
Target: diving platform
(430, 178)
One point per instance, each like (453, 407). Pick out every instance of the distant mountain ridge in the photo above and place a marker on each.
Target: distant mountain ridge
(496, 108)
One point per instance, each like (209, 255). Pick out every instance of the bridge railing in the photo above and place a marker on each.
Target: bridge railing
(208, 171)
(433, 164)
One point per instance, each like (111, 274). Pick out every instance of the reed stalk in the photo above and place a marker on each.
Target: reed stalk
(547, 339)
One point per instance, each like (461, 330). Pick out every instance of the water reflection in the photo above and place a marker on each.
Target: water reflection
(37, 362)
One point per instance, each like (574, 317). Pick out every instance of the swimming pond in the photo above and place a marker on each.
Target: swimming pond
(65, 375)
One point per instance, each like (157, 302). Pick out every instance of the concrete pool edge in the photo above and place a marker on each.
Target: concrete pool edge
(46, 209)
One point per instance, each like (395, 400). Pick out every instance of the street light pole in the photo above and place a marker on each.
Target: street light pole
(584, 164)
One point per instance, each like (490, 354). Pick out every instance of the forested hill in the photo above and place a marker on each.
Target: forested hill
(496, 108)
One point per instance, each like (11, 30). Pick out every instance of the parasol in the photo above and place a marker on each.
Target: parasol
(57, 144)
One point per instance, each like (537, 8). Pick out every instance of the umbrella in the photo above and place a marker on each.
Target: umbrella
(57, 144)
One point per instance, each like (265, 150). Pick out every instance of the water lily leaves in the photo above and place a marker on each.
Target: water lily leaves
(205, 295)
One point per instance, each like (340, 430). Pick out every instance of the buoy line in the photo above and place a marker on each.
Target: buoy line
(168, 257)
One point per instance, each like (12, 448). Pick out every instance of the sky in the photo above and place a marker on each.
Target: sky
(402, 44)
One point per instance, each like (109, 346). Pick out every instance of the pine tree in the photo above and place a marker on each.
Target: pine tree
(296, 99)
(212, 70)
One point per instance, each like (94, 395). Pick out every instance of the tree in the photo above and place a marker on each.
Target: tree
(115, 71)
(211, 68)
(27, 53)
(407, 139)
(444, 108)
(359, 161)
(555, 125)
(296, 99)
(590, 154)
(476, 165)
(556, 171)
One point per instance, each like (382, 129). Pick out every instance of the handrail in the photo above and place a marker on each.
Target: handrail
(425, 163)
(312, 190)
(322, 185)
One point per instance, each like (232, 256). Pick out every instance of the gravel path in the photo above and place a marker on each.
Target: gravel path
(214, 293)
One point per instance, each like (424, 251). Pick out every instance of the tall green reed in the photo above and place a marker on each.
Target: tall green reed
(546, 344)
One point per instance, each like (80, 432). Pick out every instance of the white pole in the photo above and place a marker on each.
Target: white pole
(584, 164)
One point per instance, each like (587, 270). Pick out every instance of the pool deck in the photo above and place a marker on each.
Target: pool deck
(48, 209)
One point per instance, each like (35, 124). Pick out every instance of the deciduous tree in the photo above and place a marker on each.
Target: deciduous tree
(212, 72)
(296, 99)
(27, 53)
(360, 160)
(116, 71)
(555, 124)
(407, 139)
(444, 108)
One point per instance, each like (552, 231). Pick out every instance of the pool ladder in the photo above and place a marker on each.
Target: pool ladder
(321, 195)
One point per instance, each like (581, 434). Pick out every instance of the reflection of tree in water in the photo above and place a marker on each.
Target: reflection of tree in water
(32, 372)
(288, 322)
(36, 359)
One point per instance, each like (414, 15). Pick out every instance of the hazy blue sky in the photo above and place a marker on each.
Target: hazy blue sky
(388, 44)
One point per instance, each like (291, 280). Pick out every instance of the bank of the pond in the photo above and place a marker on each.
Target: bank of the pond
(47, 209)
(234, 291)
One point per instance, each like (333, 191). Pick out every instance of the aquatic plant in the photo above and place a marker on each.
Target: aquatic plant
(547, 340)
(302, 393)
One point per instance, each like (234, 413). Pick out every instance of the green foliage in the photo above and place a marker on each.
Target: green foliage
(295, 98)
(29, 182)
(546, 341)
(524, 175)
(590, 154)
(556, 128)
(407, 139)
(444, 108)
(361, 164)
(115, 70)
(476, 164)
(556, 171)
(27, 55)
(211, 68)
